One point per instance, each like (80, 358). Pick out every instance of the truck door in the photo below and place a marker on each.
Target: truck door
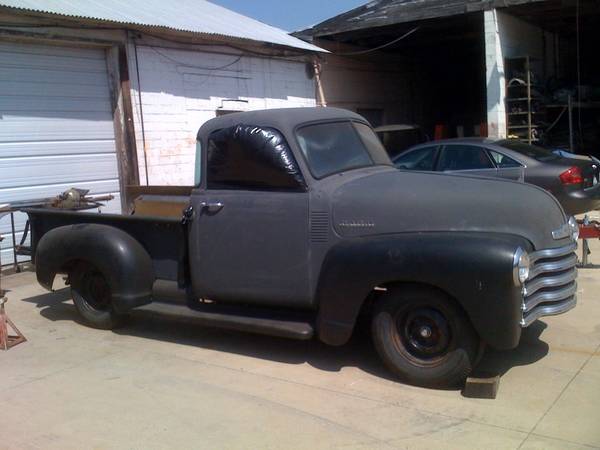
(249, 235)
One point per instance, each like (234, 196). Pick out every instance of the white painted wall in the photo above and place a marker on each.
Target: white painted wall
(353, 83)
(494, 69)
(507, 36)
(519, 38)
(182, 89)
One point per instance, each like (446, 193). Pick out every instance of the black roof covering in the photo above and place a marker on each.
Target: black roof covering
(282, 119)
(379, 13)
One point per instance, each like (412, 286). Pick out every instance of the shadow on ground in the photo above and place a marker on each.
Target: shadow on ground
(531, 349)
(359, 352)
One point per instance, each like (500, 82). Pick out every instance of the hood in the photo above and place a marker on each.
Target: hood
(395, 201)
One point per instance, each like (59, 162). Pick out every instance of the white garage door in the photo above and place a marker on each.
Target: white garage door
(56, 126)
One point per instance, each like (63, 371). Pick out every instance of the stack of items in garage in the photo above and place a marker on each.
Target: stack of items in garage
(524, 106)
(555, 113)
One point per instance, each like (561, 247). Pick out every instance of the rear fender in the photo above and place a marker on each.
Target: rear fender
(126, 265)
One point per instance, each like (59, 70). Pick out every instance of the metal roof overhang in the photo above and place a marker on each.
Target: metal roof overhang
(193, 17)
(383, 13)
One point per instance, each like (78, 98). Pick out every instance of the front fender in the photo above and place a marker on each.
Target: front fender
(476, 269)
(121, 259)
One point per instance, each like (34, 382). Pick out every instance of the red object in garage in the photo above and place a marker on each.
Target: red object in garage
(589, 231)
(440, 132)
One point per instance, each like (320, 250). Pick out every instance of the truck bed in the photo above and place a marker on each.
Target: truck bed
(164, 238)
(158, 201)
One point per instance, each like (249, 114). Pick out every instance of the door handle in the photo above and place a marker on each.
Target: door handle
(211, 207)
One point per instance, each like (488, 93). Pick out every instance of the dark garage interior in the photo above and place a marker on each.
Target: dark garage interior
(441, 83)
(577, 73)
(440, 62)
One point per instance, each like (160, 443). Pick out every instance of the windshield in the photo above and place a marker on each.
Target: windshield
(533, 151)
(335, 147)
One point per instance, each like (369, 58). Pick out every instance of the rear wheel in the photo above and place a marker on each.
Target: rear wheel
(423, 337)
(92, 297)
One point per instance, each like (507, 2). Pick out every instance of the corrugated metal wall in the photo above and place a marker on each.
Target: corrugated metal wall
(56, 126)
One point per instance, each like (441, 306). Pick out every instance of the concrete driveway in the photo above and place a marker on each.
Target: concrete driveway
(164, 383)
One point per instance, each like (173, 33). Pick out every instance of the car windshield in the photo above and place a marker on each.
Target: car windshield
(532, 151)
(339, 146)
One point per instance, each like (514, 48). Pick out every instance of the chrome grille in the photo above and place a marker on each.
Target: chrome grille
(552, 286)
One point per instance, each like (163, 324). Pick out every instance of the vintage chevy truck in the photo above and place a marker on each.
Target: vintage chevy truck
(298, 223)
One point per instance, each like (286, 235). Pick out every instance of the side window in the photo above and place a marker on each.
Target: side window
(502, 161)
(249, 157)
(464, 157)
(420, 159)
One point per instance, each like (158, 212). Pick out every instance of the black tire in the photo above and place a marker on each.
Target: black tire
(92, 298)
(423, 337)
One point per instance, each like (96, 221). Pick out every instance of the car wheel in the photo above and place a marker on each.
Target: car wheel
(424, 338)
(92, 297)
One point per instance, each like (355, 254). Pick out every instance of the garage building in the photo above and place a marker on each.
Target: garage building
(100, 96)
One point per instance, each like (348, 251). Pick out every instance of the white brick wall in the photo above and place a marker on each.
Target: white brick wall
(180, 92)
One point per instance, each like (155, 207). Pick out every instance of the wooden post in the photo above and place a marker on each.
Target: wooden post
(123, 120)
(321, 94)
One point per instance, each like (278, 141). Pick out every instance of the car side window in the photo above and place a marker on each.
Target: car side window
(419, 159)
(248, 157)
(464, 157)
(502, 161)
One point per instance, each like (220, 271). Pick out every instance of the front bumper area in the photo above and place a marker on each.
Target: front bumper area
(552, 287)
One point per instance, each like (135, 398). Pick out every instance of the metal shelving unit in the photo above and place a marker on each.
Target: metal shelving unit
(522, 115)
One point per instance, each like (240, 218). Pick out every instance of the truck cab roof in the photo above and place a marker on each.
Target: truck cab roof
(283, 119)
(308, 144)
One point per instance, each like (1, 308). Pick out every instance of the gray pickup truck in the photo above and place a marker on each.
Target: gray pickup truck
(299, 223)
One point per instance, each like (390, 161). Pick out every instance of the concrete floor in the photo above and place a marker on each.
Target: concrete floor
(170, 384)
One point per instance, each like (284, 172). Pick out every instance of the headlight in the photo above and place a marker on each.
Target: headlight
(520, 266)
(574, 226)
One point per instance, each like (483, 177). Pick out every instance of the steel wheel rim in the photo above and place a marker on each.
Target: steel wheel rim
(424, 334)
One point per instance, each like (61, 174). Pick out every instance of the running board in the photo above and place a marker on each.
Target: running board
(237, 318)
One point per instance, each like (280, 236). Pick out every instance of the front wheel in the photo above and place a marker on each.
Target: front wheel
(92, 297)
(423, 337)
